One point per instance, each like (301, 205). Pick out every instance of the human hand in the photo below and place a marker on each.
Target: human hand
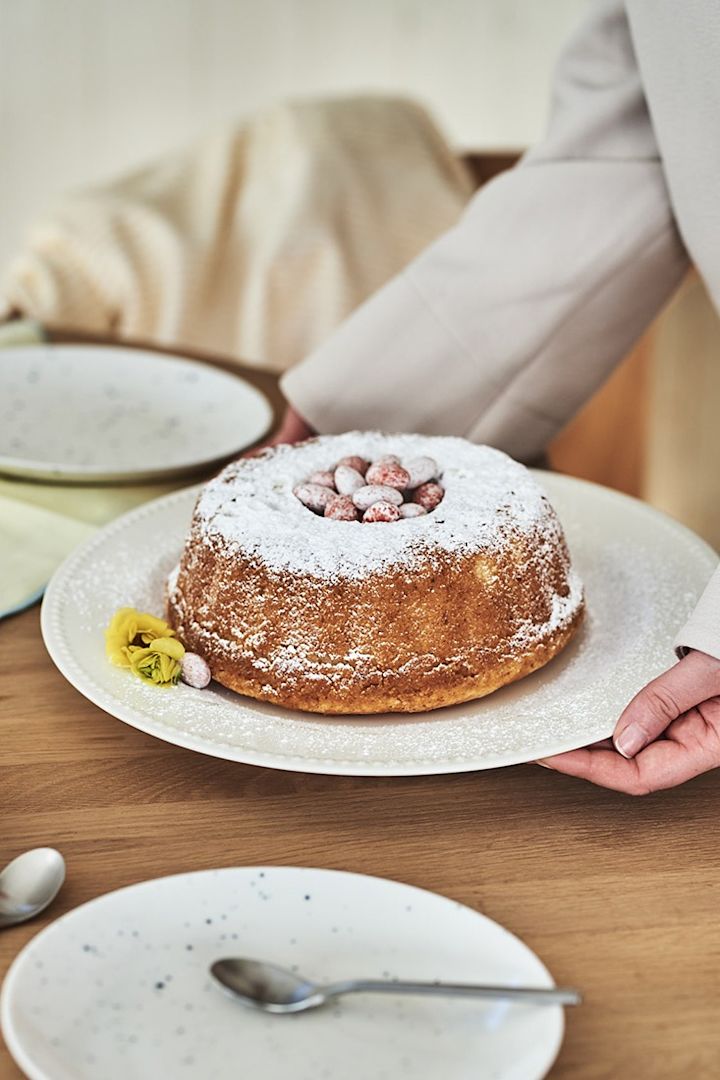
(668, 733)
(292, 429)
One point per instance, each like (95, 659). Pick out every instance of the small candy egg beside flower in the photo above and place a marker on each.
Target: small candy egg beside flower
(195, 671)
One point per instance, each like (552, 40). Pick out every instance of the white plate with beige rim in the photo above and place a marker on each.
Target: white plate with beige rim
(642, 572)
(92, 414)
(119, 987)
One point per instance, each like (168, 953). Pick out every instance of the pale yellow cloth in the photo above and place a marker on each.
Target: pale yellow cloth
(21, 332)
(254, 243)
(33, 542)
(40, 524)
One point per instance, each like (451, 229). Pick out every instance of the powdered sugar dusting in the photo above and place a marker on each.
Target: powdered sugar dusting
(252, 507)
(258, 554)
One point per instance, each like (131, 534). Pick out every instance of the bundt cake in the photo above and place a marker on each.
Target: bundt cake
(372, 573)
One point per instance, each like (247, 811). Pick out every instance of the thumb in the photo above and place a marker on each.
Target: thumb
(693, 679)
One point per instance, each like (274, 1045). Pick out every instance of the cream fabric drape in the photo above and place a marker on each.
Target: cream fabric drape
(257, 241)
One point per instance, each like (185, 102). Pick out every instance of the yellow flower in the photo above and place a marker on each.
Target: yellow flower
(130, 629)
(159, 663)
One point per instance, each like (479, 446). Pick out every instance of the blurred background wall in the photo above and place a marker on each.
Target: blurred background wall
(90, 87)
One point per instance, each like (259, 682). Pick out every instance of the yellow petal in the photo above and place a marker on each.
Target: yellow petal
(150, 627)
(169, 646)
(119, 634)
(136, 654)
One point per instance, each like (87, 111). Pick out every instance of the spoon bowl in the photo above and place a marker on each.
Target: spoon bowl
(266, 986)
(270, 988)
(29, 883)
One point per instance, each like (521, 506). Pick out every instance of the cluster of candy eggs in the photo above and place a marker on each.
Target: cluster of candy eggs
(383, 490)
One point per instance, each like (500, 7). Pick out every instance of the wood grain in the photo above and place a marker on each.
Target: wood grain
(607, 441)
(683, 433)
(618, 896)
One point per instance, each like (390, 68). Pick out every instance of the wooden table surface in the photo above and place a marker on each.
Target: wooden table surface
(618, 896)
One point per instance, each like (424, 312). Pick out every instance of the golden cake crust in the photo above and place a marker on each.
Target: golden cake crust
(455, 611)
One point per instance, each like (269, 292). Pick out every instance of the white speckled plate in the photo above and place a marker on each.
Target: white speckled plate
(642, 571)
(119, 988)
(86, 414)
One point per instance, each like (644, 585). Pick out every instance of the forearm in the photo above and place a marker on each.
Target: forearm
(508, 323)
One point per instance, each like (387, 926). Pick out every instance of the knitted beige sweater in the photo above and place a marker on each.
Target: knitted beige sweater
(257, 241)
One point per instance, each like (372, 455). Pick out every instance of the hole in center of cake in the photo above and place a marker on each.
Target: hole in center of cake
(385, 490)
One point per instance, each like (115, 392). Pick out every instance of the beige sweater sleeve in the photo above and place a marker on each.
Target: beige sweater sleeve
(702, 630)
(507, 324)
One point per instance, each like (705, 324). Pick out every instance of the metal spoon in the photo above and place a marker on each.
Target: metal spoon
(29, 883)
(272, 989)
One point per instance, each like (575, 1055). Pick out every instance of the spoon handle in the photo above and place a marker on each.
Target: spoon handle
(531, 995)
